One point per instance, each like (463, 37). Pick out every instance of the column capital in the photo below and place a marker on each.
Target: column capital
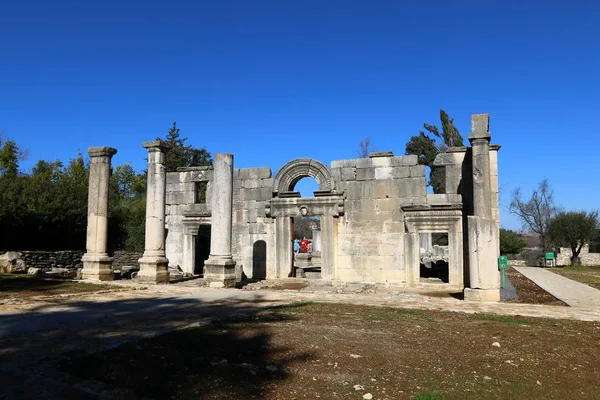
(157, 145)
(480, 128)
(101, 151)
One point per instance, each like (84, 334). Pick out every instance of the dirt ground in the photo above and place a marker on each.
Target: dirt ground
(20, 286)
(328, 351)
(529, 292)
(588, 275)
(305, 350)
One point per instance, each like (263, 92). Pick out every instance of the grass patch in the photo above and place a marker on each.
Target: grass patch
(588, 275)
(505, 320)
(295, 306)
(583, 268)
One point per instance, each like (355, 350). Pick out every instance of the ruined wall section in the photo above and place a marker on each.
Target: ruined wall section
(370, 236)
(253, 234)
(181, 196)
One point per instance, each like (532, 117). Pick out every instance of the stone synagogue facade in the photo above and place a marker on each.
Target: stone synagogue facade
(374, 215)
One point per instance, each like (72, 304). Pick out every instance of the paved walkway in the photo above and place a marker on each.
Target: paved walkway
(571, 292)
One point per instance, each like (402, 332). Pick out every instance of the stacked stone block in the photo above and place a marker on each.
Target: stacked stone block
(371, 233)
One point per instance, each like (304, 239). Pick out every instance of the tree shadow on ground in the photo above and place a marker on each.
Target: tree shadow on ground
(15, 283)
(155, 348)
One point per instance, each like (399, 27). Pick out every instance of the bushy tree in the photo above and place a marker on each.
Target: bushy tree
(536, 212)
(573, 229)
(511, 242)
(427, 146)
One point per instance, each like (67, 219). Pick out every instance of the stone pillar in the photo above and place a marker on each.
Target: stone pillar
(328, 247)
(412, 258)
(219, 269)
(316, 240)
(284, 239)
(482, 183)
(96, 262)
(484, 278)
(425, 242)
(154, 263)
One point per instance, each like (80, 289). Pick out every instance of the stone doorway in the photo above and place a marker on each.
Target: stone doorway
(434, 257)
(423, 223)
(202, 249)
(287, 204)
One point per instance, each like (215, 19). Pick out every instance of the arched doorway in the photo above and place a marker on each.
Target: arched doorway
(327, 204)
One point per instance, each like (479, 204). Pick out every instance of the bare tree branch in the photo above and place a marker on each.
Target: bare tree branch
(365, 147)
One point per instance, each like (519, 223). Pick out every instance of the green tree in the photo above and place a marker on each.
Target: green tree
(511, 242)
(573, 229)
(427, 146)
(182, 155)
(536, 212)
(9, 158)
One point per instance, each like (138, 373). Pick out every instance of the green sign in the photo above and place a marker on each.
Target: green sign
(503, 266)
(550, 255)
(502, 262)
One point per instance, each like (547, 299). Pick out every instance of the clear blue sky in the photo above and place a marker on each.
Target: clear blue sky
(270, 81)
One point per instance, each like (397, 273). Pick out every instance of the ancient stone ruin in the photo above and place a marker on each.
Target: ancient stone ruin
(376, 220)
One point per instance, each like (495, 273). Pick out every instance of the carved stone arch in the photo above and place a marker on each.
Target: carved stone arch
(293, 171)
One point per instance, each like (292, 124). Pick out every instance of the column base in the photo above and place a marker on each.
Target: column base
(153, 270)
(97, 267)
(481, 295)
(219, 273)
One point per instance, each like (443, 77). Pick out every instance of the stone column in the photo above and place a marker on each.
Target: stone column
(154, 263)
(482, 183)
(219, 269)
(484, 278)
(327, 247)
(96, 262)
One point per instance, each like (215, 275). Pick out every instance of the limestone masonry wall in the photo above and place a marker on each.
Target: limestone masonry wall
(370, 235)
(70, 259)
(126, 258)
(587, 258)
(46, 260)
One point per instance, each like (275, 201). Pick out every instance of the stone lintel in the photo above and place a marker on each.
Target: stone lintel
(374, 154)
(293, 207)
(457, 149)
(157, 145)
(102, 151)
(191, 169)
(286, 195)
(197, 210)
(495, 147)
(432, 207)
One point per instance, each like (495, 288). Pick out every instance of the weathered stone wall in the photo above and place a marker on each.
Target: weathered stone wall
(587, 258)
(253, 242)
(70, 259)
(370, 235)
(126, 258)
(252, 233)
(47, 260)
(181, 198)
